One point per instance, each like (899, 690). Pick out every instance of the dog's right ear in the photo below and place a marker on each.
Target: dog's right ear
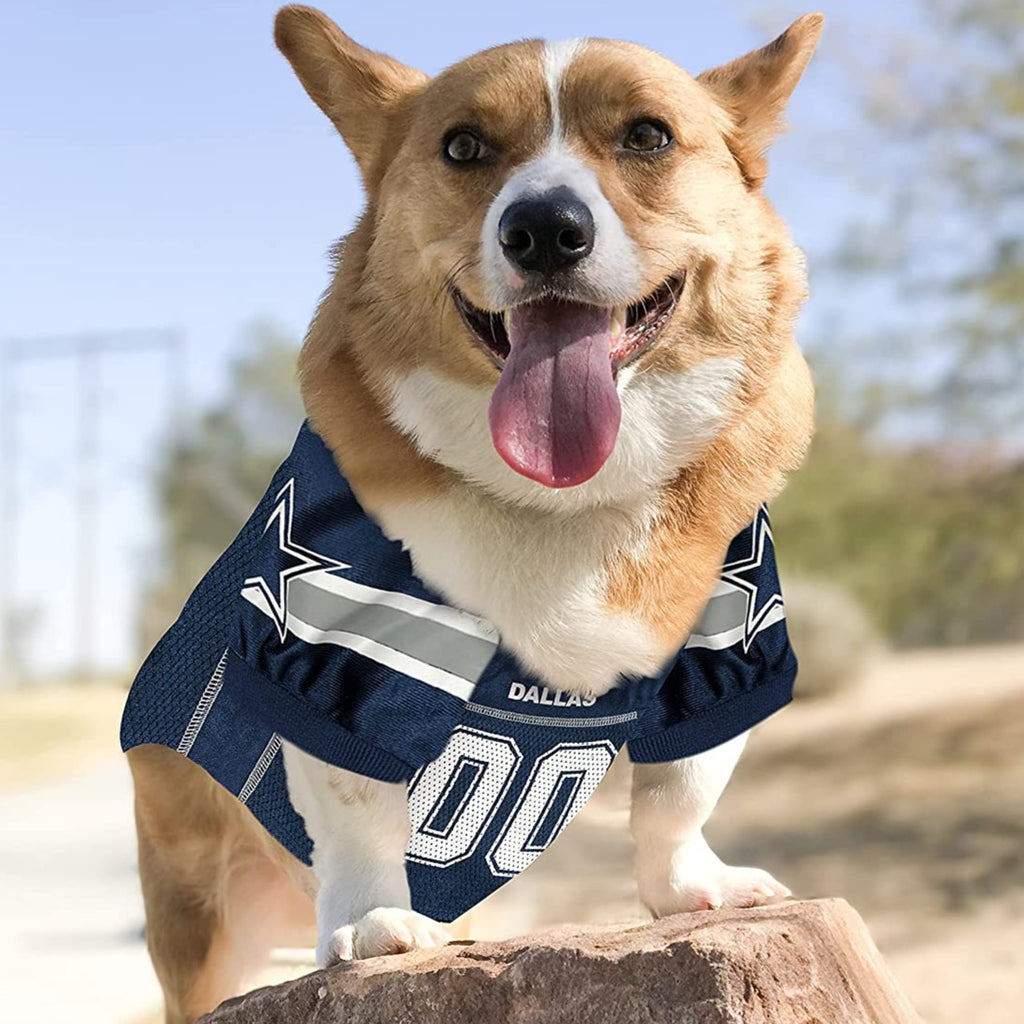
(358, 89)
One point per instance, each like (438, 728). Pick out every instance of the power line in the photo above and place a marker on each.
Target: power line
(87, 350)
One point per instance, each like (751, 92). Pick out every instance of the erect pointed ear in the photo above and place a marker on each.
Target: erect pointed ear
(754, 90)
(357, 88)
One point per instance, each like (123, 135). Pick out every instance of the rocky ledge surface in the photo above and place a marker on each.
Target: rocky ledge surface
(809, 962)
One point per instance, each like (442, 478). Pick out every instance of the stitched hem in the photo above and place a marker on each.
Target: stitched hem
(718, 724)
(314, 732)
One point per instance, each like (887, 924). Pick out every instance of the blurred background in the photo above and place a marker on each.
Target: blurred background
(169, 195)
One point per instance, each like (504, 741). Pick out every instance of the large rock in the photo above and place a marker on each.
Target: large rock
(795, 963)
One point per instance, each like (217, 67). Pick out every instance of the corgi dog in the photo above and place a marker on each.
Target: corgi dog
(556, 363)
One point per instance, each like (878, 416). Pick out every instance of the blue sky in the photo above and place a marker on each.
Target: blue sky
(162, 167)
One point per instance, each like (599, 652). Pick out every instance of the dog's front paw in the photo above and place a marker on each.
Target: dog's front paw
(698, 880)
(383, 930)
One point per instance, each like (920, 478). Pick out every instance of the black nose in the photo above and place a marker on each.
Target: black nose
(547, 232)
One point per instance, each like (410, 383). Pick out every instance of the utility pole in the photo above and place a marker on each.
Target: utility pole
(9, 657)
(88, 350)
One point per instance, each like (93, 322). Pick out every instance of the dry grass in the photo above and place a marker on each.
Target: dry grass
(47, 732)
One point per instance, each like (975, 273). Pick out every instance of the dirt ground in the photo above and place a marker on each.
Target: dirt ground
(905, 795)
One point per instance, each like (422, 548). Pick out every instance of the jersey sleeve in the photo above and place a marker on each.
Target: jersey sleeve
(334, 641)
(736, 668)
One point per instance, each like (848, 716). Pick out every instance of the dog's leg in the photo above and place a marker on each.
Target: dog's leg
(219, 893)
(360, 830)
(676, 869)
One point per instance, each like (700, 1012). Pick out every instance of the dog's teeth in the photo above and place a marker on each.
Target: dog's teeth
(618, 321)
(504, 318)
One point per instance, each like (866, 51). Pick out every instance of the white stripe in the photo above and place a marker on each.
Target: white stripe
(260, 768)
(210, 694)
(611, 274)
(400, 662)
(471, 625)
(555, 61)
(720, 641)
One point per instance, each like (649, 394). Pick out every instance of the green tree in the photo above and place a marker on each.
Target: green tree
(912, 498)
(209, 479)
(933, 550)
(939, 154)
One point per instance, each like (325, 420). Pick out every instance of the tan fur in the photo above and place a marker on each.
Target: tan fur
(387, 306)
(219, 890)
(754, 89)
(707, 506)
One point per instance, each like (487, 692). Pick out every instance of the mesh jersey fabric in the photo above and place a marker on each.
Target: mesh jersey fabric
(313, 628)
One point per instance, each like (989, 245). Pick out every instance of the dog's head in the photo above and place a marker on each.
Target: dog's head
(567, 275)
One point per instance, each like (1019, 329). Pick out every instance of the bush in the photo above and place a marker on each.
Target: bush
(833, 638)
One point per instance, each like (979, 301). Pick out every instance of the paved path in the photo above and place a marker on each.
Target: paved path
(71, 946)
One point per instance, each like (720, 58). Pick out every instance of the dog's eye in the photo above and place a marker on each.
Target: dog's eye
(646, 137)
(463, 147)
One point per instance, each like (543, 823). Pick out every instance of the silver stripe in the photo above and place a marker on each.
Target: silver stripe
(260, 768)
(724, 612)
(557, 723)
(464, 622)
(210, 694)
(398, 660)
(424, 639)
(720, 641)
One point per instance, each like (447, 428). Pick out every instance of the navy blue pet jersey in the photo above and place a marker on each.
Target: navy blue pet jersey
(313, 628)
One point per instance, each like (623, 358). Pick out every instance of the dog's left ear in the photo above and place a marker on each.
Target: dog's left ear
(755, 88)
(360, 90)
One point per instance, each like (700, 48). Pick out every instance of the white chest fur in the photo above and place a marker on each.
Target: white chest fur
(540, 579)
(533, 560)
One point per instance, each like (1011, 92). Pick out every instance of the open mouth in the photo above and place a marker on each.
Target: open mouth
(555, 411)
(633, 328)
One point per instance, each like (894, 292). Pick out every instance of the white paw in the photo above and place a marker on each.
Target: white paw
(383, 930)
(703, 882)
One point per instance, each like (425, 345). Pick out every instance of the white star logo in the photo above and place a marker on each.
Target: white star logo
(733, 572)
(305, 561)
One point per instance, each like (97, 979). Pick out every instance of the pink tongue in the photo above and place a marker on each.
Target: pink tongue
(555, 412)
